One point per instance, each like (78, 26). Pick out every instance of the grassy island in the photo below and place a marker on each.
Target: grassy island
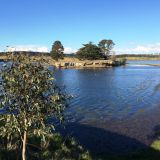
(89, 56)
(76, 63)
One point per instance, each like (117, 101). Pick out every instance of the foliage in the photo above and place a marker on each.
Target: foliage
(106, 46)
(29, 98)
(123, 61)
(90, 52)
(156, 145)
(57, 51)
(56, 148)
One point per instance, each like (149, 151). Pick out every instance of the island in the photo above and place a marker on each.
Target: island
(76, 63)
(88, 56)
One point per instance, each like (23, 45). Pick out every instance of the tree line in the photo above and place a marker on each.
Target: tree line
(89, 51)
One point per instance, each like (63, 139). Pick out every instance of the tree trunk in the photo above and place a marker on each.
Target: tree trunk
(24, 145)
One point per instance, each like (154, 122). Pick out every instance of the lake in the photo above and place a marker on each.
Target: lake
(113, 109)
(111, 93)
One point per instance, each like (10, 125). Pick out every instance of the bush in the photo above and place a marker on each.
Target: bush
(30, 96)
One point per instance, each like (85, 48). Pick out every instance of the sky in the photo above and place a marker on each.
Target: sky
(134, 25)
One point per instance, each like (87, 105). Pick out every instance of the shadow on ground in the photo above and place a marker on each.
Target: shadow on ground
(101, 142)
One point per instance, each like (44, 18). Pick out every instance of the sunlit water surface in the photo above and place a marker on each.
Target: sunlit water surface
(111, 93)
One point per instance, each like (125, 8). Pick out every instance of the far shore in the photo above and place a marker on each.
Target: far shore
(141, 58)
(72, 62)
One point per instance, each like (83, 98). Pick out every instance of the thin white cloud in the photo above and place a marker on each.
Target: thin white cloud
(132, 43)
(69, 50)
(42, 49)
(33, 48)
(36, 48)
(140, 49)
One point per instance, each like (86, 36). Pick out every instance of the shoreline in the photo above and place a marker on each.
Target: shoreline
(68, 62)
(86, 63)
(141, 58)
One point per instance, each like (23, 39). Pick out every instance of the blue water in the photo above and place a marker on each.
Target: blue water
(141, 62)
(110, 93)
(114, 109)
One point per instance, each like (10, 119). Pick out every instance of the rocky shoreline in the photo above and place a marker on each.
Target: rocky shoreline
(74, 62)
(87, 64)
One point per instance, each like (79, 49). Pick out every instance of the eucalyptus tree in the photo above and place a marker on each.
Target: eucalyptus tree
(57, 51)
(30, 97)
(106, 46)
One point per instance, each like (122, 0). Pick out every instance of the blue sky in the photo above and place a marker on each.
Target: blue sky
(134, 25)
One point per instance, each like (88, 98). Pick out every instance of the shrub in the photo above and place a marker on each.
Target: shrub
(30, 96)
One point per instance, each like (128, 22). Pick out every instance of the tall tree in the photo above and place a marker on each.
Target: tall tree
(90, 51)
(29, 98)
(106, 46)
(57, 51)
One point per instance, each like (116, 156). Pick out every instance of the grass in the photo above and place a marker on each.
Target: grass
(149, 154)
(156, 145)
(55, 148)
(152, 153)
